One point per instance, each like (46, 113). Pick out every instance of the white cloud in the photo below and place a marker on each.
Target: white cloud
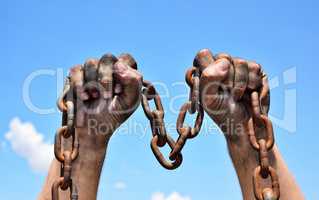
(173, 196)
(28, 143)
(120, 185)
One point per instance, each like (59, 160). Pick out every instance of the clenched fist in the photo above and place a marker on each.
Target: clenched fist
(105, 93)
(232, 91)
(226, 85)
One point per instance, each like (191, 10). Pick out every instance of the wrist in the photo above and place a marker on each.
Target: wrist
(86, 169)
(245, 159)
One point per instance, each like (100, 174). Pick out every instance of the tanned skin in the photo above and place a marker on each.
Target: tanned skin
(224, 88)
(103, 110)
(226, 84)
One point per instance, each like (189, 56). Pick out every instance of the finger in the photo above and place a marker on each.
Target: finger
(229, 81)
(105, 74)
(76, 75)
(130, 81)
(254, 77)
(129, 60)
(215, 73)
(90, 70)
(264, 93)
(240, 78)
(258, 81)
(223, 55)
(77, 82)
(90, 78)
(211, 86)
(203, 59)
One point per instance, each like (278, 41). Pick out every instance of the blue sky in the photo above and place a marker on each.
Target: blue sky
(163, 36)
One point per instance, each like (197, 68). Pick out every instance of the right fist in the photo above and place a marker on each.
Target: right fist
(226, 85)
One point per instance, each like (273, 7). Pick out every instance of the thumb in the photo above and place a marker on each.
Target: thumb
(213, 71)
(213, 76)
(213, 89)
(130, 82)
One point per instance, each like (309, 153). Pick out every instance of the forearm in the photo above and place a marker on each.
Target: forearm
(245, 160)
(86, 169)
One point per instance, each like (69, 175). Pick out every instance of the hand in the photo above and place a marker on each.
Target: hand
(105, 93)
(232, 91)
(226, 86)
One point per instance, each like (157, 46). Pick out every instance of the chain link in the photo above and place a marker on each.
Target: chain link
(156, 118)
(64, 154)
(192, 80)
(193, 105)
(263, 146)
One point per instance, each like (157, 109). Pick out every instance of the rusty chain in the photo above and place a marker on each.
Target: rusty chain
(66, 154)
(160, 137)
(63, 153)
(156, 118)
(263, 145)
(192, 106)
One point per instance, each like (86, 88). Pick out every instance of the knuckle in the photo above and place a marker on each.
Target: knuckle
(90, 70)
(218, 70)
(129, 60)
(131, 77)
(239, 61)
(258, 67)
(108, 57)
(223, 55)
(76, 68)
(91, 62)
(254, 67)
(76, 74)
(203, 51)
(203, 58)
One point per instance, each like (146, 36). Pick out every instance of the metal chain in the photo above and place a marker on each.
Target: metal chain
(63, 153)
(156, 118)
(192, 106)
(263, 146)
(66, 155)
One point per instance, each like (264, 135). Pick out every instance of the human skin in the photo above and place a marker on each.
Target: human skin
(225, 87)
(233, 103)
(96, 119)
